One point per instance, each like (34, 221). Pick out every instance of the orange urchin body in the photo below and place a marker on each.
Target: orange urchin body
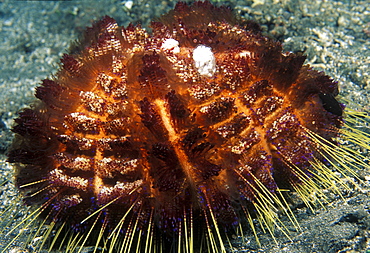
(199, 121)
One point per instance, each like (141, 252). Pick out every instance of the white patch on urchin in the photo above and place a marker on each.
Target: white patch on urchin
(204, 60)
(171, 45)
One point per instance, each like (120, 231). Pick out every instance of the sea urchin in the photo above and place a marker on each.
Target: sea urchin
(147, 142)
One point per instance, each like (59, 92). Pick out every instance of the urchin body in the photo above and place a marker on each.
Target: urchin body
(202, 119)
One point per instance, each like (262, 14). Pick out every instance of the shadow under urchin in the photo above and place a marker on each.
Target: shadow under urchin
(166, 141)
